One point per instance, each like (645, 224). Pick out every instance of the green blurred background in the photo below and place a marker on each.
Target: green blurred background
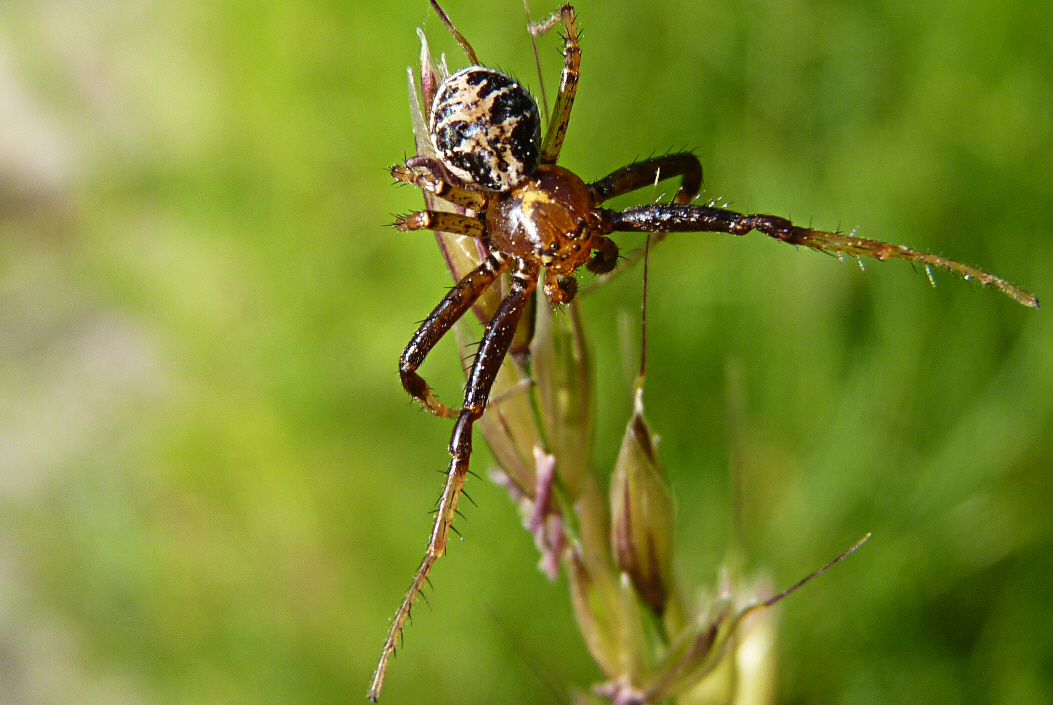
(214, 490)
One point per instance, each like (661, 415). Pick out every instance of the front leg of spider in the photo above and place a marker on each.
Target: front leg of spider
(454, 305)
(496, 341)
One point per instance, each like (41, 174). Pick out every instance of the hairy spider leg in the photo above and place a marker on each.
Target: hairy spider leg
(443, 221)
(454, 305)
(428, 175)
(643, 173)
(568, 81)
(687, 218)
(629, 178)
(465, 46)
(496, 341)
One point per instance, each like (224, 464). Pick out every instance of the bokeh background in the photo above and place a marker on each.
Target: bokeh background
(214, 490)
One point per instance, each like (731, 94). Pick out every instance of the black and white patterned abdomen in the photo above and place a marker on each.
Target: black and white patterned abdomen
(486, 128)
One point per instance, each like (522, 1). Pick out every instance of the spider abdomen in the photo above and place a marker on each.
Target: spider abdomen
(486, 128)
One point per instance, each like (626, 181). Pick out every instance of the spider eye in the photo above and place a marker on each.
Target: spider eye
(486, 128)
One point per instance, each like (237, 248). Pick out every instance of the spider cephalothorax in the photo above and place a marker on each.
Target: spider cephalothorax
(540, 221)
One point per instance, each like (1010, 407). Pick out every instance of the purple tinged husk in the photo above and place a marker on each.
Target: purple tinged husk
(643, 514)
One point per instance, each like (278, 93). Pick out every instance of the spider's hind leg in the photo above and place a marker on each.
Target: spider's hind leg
(441, 221)
(430, 176)
(568, 81)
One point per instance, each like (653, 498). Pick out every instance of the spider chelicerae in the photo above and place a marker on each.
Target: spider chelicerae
(540, 222)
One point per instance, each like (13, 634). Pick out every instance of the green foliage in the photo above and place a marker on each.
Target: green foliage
(213, 488)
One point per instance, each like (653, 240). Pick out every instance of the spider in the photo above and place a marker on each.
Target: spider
(541, 222)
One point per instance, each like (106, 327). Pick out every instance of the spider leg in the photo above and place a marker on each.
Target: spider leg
(643, 173)
(454, 305)
(568, 82)
(456, 35)
(429, 175)
(442, 221)
(451, 225)
(606, 262)
(679, 218)
(492, 351)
